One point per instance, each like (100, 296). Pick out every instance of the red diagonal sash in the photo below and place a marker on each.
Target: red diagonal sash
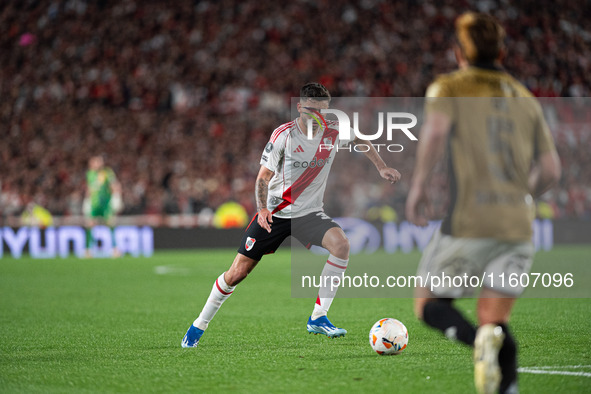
(298, 187)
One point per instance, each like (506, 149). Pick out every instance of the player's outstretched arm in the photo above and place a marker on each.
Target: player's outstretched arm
(261, 192)
(389, 174)
(431, 146)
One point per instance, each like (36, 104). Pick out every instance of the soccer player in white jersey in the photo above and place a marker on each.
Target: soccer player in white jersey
(289, 193)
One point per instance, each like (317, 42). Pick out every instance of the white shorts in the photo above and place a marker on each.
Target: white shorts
(479, 262)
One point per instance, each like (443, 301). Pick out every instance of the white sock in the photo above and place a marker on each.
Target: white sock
(334, 268)
(219, 293)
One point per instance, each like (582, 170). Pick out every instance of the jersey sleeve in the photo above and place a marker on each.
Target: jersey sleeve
(544, 142)
(274, 151)
(438, 98)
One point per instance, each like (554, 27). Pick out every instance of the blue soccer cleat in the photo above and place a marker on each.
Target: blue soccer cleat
(323, 326)
(191, 338)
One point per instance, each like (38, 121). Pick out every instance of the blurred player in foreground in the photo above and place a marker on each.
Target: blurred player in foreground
(289, 192)
(102, 201)
(501, 153)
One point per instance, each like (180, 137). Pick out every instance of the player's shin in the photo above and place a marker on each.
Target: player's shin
(219, 293)
(330, 281)
(441, 314)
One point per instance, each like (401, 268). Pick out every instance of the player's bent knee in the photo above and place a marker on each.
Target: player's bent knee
(341, 249)
(336, 242)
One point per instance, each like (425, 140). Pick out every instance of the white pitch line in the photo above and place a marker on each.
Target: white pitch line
(561, 367)
(545, 371)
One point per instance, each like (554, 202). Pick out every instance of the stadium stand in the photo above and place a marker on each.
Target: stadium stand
(182, 96)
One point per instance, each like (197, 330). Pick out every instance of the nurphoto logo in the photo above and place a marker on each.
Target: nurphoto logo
(344, 128)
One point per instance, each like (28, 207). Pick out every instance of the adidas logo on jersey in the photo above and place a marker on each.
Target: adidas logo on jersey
(299, 149)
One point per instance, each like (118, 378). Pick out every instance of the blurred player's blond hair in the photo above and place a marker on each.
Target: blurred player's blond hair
(480, 37)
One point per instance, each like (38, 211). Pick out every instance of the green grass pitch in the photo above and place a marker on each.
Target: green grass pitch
(115, 325)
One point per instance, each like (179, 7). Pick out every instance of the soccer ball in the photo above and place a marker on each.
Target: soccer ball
(388, 336)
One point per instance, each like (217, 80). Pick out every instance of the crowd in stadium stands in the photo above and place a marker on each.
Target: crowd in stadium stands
(182, 96)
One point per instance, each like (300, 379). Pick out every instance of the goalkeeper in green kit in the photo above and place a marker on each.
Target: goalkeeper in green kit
(102, 201)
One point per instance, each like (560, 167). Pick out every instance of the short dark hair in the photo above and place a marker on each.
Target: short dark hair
(315, 91)
(480, 36)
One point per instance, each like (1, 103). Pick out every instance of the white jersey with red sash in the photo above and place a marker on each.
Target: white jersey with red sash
(301, 168)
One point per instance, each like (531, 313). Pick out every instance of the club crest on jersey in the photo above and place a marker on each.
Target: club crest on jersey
(249, 243)
(328, 143)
